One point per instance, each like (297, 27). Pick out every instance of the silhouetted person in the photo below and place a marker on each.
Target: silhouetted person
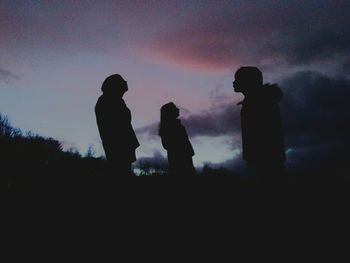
(262, 134)
(114, 124)
(175, 140)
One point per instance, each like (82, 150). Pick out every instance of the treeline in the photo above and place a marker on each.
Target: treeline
(27, 148)
(28, 160)
(19, 147)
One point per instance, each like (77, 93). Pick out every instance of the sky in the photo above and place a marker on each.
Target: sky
(54, 56)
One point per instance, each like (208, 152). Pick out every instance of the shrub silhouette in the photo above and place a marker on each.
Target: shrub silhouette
(29, 148)
(29, 160)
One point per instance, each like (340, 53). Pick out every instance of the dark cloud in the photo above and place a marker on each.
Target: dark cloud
(346, 66)
(150, 131)
(217, 121)
(235, 164)
(224, 120)
(155, 163)
(259, 33)
(306, 46)
(316, 111)
(316, 106)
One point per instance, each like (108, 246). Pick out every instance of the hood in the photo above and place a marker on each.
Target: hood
(272, 92)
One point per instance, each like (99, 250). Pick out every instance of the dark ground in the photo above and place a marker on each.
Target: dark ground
(94, 179)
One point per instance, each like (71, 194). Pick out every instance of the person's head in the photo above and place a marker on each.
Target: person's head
(169, 111)
(247, 79)
(115, 85)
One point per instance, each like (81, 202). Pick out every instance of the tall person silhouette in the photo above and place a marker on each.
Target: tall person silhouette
(175, 140)
(114, 125)
(262, 134)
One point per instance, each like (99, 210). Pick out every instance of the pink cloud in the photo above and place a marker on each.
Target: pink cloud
(214, 49)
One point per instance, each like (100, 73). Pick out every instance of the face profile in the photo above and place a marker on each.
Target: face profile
(247, 79)
(236, 85)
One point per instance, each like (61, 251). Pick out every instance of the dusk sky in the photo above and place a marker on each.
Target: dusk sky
(54, 56)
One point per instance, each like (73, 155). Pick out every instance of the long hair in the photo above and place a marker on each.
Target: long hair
(167, 114)
(111, 83)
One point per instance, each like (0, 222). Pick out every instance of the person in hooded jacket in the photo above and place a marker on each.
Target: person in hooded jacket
(262, 133)
(175, 140)
(114, 124)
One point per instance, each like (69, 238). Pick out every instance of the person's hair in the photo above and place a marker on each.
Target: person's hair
(251, 76)
(112, 83)
(167, 114)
